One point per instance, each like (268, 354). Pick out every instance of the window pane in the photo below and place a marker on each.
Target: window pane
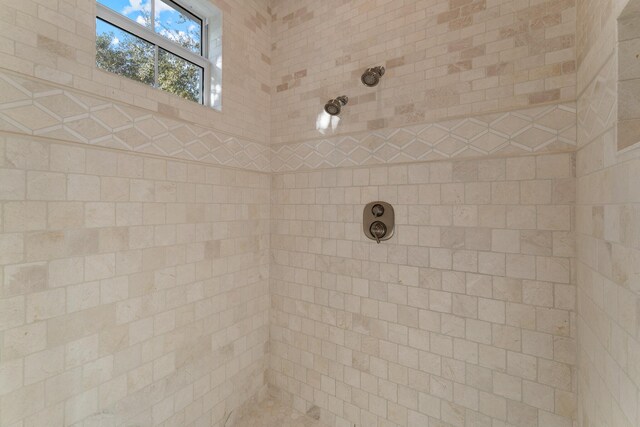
(178, 25)
(136, 10)
(179, 76)
(123, 53)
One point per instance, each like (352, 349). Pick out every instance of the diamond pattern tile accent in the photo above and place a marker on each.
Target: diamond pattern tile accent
(539, 129)
(61, 106)
(37, 108)
(30, 117)
(470, 129)
(88, 129)
(597, 107)
(12, 93)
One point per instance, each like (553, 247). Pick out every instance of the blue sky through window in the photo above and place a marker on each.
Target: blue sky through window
(169, 21)
(178, 26)
(132, 9)
(102, 27)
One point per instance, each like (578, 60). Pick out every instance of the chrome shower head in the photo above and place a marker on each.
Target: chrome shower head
(371, 77)
(334, 106)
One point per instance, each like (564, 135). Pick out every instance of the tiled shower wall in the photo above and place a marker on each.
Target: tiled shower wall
(133, 266)
(465, 317)
(608, 219)
(444, 58)
(134, 274)
(134, 289)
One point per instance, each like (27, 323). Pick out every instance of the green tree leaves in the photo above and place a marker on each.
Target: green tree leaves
(130, 56)
(125, 54)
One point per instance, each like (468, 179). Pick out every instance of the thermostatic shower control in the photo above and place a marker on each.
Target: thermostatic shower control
(378, 220)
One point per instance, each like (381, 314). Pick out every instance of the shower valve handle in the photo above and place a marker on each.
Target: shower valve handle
(378, 230)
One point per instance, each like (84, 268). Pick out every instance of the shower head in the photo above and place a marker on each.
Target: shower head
(371, 77)
(334, 106)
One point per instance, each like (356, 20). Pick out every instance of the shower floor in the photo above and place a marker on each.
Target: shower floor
(273, 413)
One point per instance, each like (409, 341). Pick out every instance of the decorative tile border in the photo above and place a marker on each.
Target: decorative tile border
(541, 129)
(36, 108)
(597, 106)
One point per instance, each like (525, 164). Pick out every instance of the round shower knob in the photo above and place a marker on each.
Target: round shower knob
(377, 210)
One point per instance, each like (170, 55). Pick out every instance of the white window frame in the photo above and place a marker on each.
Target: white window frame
(119, 20)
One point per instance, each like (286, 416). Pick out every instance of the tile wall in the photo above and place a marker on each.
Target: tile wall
(607, 229)
(153, 271)
(134, 288)
(466, 317)
(444, 58)
(134, 231)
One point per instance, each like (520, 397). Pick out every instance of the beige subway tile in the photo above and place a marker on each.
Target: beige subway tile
(46, 186)
(65, 215)
(99, 266)
(521, 168)
(12, 312)
(43, 365)
(24, 278)
(101, 162)
(24, 154)
(24, 216)
(554, 218)
(13, 184)
(67, 159)
(22, 403)
(25, 340)
(83, 187)
(99, 214)
(507, 386)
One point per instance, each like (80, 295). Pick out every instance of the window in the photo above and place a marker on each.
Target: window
(163, 44)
